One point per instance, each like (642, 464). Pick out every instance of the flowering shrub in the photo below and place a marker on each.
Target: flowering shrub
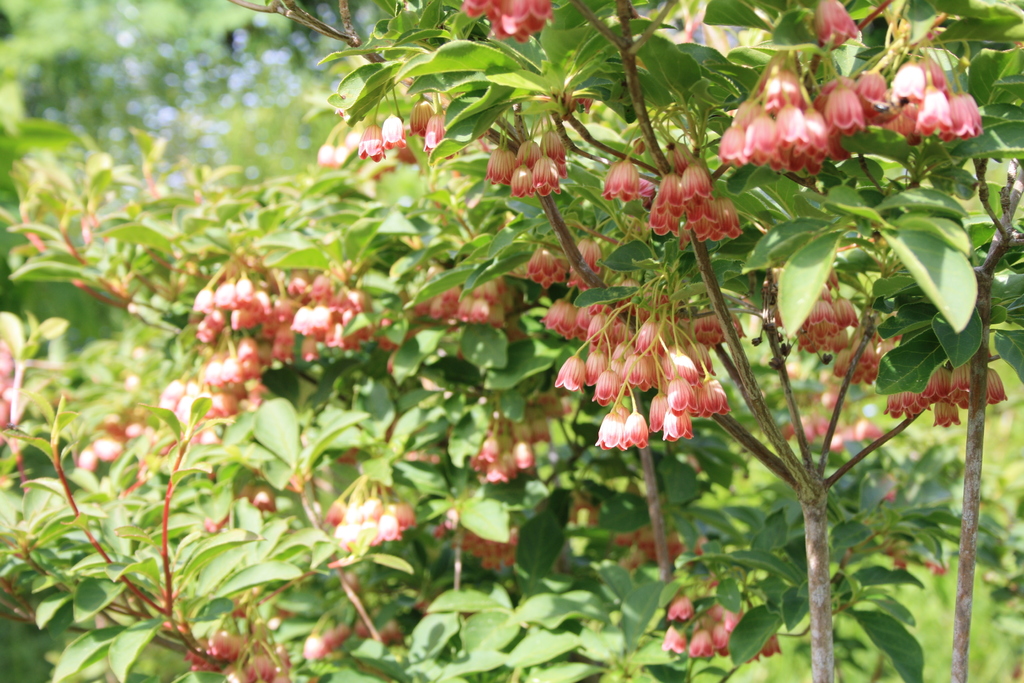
(494, 431)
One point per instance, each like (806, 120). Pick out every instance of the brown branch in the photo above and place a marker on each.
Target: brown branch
(568, 245)
(764, 456)
(778, 362)
(655, 24)
(602, 28)
(874, 13)
(981, 171)
(657, 518)
(358, 604)
(869, 449)
(636, 93)
(751, 388)
(584, 133)
(869, 330)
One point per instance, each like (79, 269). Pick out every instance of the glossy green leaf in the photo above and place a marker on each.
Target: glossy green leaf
(259, 575)
(802, 278)
(891, 637)
(541, 646)
(486, 518)
(459, 55)
(624, 512)
(466, 600)
(540, 542)
(484, 346)
(93, 595)
(431, 634)
(629, 257)
(1010, 346)
(603, 295)
(779, 243)
(753, 631)
(526, 358)
(276, 427)
(128, 645)
(637, 610)
(1002, 141)
(908, 366)
(959, 346)
(488, 631)
(941, 271)
(563, 673)
(924, 199)
(83, 652)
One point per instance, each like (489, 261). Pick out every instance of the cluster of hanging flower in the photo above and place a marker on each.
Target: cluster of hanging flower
(510, 447)
(534, 169)
(946, 393)
(666, 352)
(642, 543)
(517, 19)
(319, 646)
(249, 660)
(424, 122)
(547, 266)
(492, 554)
(484, 304)
(371, 519)
(782, 127)
(709, 632)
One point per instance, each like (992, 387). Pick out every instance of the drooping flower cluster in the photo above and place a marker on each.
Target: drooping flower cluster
(251, 660)
(517, 19)
(687, 191)
(642, 543)
(319, 646)
(946, 393)
(377, 140)
(534, 169)
(510, 447)
(372, 520)
(484, 304)
(709, 632)
(492, 554)
(664, 353)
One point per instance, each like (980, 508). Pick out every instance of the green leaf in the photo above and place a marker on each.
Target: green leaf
(753, 631)
(84, 651)
(488, 631)
(680, 481)
(459, 55)
(166, 416)
(363, 88)
(847, 200)
(624, 512)
(891, 637)
(330, 432)
(925, 199)
(12, 333)
(51, 328)
(1010, 345)
(540, 542)
(541, 646)
(129, 644)
(959, 346)
(466, 600)
(941, 271)
(526, 358)
(881, 576)
(484, 346)
(391, 561)
(802, 278)
(792, 30)
(629, 257)
(603, 295)
(1001, 141)
(49, 607)
(551, 610)
(413, 352)
(564, 673)
(431, 635)
(952, 233)
(259, 575)
(909, 317)
(473, 662)
(136, 233)
(848, 534)
(880, 142)
(486, 518)
(637, 610)
(909, 365)
(779, 243)
(276, 427)
(92, 595)
(732, 13)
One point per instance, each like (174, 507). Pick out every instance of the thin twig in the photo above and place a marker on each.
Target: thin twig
(764, 456)
(569, 248)
(981, 171)
(869, 449)
(584, 133)
(653, 27)
(358, 604)
(657, 518)
(602, 28)
(869, 330)
(874, 13)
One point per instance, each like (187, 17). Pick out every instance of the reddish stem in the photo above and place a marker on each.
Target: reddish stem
(165, 552)
(874, 13)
